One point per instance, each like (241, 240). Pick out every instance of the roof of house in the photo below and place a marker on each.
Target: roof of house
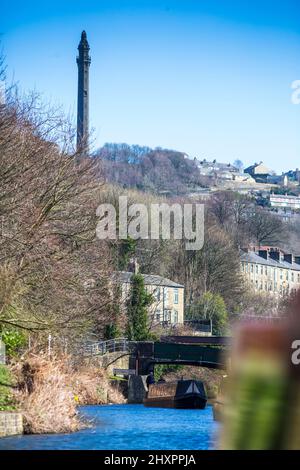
(149, 279)
(285, 196)
(251, 257)
(219, 166)
(258, 169)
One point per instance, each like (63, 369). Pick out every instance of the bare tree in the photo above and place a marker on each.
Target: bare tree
(265, 228)
(55, 274)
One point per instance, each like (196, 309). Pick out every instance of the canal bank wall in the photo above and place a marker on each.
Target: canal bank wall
(109, 362)
(11, 423)
(137, 388)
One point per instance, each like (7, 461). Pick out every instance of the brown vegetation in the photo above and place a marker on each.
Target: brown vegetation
(156, 170)
(49, 391)
(54, 272)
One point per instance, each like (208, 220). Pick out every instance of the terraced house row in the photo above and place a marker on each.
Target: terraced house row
(271, 270)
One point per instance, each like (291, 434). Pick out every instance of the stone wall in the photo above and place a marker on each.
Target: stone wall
(137, 388)
(110, 361)
(11, 423)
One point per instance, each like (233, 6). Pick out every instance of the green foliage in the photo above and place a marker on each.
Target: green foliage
(211, 307)
(7, 403)
(137, 310)
(126, 250)
(111, 331)
(162, 369)
(13, 340)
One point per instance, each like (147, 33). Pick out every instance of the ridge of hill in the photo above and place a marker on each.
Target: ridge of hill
(158, 170)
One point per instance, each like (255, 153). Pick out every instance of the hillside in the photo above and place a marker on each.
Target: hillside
(159, 170)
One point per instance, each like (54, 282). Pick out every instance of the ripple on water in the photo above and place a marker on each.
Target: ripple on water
(126, 427)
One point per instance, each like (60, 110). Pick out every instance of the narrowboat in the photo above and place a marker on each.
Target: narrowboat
(179, 394)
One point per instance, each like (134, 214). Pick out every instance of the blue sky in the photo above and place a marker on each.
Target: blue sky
(211, 78)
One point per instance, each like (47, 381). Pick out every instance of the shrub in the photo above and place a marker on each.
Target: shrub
(7, 402)
(13, 340)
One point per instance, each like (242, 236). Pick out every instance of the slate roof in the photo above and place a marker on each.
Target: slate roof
(149, 279)
(251, 257)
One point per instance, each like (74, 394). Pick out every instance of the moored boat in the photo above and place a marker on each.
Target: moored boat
(180, 394)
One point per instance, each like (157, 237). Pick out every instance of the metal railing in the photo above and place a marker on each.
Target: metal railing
(99, 348)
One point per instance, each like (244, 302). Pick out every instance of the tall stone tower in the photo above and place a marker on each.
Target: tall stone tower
(83, 62)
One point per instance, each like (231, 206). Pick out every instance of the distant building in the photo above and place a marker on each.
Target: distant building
(259, 172)
(243, 178)
(168, 305)
(285, 201)
(294, 175)
(217, 169)
(281, 180)
(271, 271)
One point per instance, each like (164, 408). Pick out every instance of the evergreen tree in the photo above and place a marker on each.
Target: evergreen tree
(137, 310)
(126, 249)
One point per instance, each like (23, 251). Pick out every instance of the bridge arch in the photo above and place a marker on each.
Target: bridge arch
(144, 356)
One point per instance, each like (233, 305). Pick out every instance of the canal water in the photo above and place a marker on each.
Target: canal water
(130, 427)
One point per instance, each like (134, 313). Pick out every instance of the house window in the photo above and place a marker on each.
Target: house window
(175, 316)
(167, 315)
(158, 315)
(157, 293)
(165, 294)
(176, 296)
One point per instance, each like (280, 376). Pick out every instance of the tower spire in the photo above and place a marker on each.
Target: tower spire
(83, 63)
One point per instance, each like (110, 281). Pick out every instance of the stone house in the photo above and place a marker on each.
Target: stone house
(271, 271)
(168, 305)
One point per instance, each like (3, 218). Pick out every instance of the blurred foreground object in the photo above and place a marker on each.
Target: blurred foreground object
(262, 399)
